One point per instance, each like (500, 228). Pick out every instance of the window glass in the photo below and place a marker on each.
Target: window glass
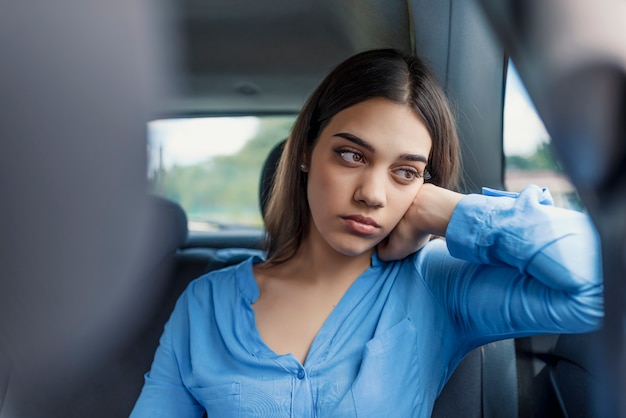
(212, 166)
(528, 156)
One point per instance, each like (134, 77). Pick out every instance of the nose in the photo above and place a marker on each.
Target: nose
(371, 190)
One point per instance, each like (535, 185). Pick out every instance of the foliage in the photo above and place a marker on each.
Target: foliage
(542, 159)
(225, 188)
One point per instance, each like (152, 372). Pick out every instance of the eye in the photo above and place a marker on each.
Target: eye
(409, 174)
(350, 156)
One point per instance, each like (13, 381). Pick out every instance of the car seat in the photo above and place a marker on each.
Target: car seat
(111, 387)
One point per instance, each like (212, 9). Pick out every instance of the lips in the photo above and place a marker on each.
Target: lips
(361, 224)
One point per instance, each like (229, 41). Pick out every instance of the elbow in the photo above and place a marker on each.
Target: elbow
(588, 310)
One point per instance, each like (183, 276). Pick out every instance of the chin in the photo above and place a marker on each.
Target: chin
(354, 249)
(353, 253)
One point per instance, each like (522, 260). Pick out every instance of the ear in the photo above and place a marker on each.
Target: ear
(305, 162)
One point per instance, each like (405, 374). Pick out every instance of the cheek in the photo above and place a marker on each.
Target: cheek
(324, 188)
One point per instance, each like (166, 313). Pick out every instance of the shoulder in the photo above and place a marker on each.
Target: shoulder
(211, 299)
(427, 277)
(218, 284)
(424, 266)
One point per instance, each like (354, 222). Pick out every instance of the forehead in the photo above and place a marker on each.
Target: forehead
(386, 125)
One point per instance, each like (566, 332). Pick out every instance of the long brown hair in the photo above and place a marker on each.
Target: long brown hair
(384, 73)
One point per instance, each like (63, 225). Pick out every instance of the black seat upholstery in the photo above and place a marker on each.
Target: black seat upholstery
(268, 173)
(111, 388)
(573, 373)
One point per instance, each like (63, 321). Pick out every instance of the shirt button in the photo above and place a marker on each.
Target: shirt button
(301, 374)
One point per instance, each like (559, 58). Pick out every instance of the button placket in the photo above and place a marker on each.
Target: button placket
(302, 398)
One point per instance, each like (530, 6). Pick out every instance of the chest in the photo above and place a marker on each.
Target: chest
(358, 355)
(289, 321)
(356, 379)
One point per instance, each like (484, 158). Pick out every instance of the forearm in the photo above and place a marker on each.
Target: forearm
(554, 245)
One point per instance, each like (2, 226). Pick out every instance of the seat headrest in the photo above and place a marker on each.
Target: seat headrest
(170, 220)
(268, 174)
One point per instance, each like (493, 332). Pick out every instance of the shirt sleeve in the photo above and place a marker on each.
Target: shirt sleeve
(164, 394)
(519, 266)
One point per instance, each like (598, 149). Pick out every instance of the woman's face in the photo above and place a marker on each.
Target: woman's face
(364, 172)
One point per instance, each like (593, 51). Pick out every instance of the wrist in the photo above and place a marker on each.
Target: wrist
(434, 206)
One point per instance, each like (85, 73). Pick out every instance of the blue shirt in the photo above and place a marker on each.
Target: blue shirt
(509, 267)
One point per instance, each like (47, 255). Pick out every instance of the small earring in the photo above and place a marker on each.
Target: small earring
(304, 168)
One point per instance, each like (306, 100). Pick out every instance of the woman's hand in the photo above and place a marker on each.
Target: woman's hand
(429, 214)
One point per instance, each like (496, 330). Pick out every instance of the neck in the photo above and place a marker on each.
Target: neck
(316, 261)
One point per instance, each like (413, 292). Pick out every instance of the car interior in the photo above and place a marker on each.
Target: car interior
(77, 341)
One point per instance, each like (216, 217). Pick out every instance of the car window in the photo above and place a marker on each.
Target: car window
(212, 166)
(528, 155)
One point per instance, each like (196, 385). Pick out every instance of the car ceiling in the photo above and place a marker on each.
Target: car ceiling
(267, 56)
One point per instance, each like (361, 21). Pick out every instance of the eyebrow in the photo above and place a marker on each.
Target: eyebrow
(356, 140)
(370, 148)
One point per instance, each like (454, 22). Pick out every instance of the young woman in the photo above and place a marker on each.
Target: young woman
(356, 311)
